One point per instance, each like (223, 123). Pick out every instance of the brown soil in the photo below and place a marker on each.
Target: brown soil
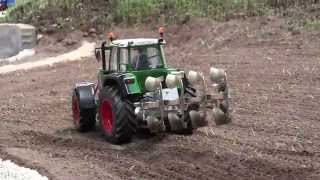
(275, 82)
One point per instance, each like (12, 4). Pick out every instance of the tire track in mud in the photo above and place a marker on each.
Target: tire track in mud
(172, 168)
(116, 154)
(265, 162)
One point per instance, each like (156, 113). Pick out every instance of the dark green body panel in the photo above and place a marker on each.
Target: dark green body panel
(142, 75)
(138, 87)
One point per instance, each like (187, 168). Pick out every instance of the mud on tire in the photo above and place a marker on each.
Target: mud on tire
(116, 115)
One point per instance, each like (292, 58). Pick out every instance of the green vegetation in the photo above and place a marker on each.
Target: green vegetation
(312, 24)
(135, 11)
(26, 7)
(140, 11)
(60, 14)
(100, 13)
(26, 10)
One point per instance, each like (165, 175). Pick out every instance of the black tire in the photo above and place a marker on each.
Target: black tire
(84, 119)
(116, 115)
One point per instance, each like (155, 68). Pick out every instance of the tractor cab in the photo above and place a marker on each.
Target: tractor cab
(128, 55)
(134, 60)
(140, 54)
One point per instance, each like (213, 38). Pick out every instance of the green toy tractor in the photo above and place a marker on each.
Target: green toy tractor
(137, 90)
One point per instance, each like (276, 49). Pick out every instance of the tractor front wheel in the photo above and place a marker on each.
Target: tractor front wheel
(116, 115)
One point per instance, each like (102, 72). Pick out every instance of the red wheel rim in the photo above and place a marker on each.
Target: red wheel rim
(106, 116)
(76, 110)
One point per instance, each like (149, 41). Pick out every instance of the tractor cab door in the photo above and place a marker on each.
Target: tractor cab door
(116, 60)
(104, 55)
(112, 60)
(107, 57)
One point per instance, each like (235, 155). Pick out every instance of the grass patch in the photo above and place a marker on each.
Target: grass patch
(71, 14)
(137, 11)
(62, 15)
(312, 24)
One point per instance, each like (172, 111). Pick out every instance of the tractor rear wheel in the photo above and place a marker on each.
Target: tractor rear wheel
(116, 115)
(84, 119)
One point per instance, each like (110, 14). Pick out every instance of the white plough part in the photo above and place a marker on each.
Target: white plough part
(11, 171)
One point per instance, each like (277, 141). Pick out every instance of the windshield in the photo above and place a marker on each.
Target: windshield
(145, 58)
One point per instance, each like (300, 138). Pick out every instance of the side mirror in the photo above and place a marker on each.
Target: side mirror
(97, 53)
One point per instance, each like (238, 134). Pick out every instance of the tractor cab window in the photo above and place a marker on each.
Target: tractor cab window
(107, 53)
(123, 59)
(113, 59)
(145, 58)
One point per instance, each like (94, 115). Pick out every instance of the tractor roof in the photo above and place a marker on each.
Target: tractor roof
(135, 42)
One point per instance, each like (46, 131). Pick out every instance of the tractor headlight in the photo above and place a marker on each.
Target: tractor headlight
(194, 77)
(217, 75)
(172, 81)
(152, 83)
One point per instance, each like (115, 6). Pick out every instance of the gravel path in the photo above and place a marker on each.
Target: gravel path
(86, 50)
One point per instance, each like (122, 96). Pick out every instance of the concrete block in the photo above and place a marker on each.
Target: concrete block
(16, 37)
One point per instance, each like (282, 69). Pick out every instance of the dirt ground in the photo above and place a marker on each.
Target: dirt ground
(275, 81)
